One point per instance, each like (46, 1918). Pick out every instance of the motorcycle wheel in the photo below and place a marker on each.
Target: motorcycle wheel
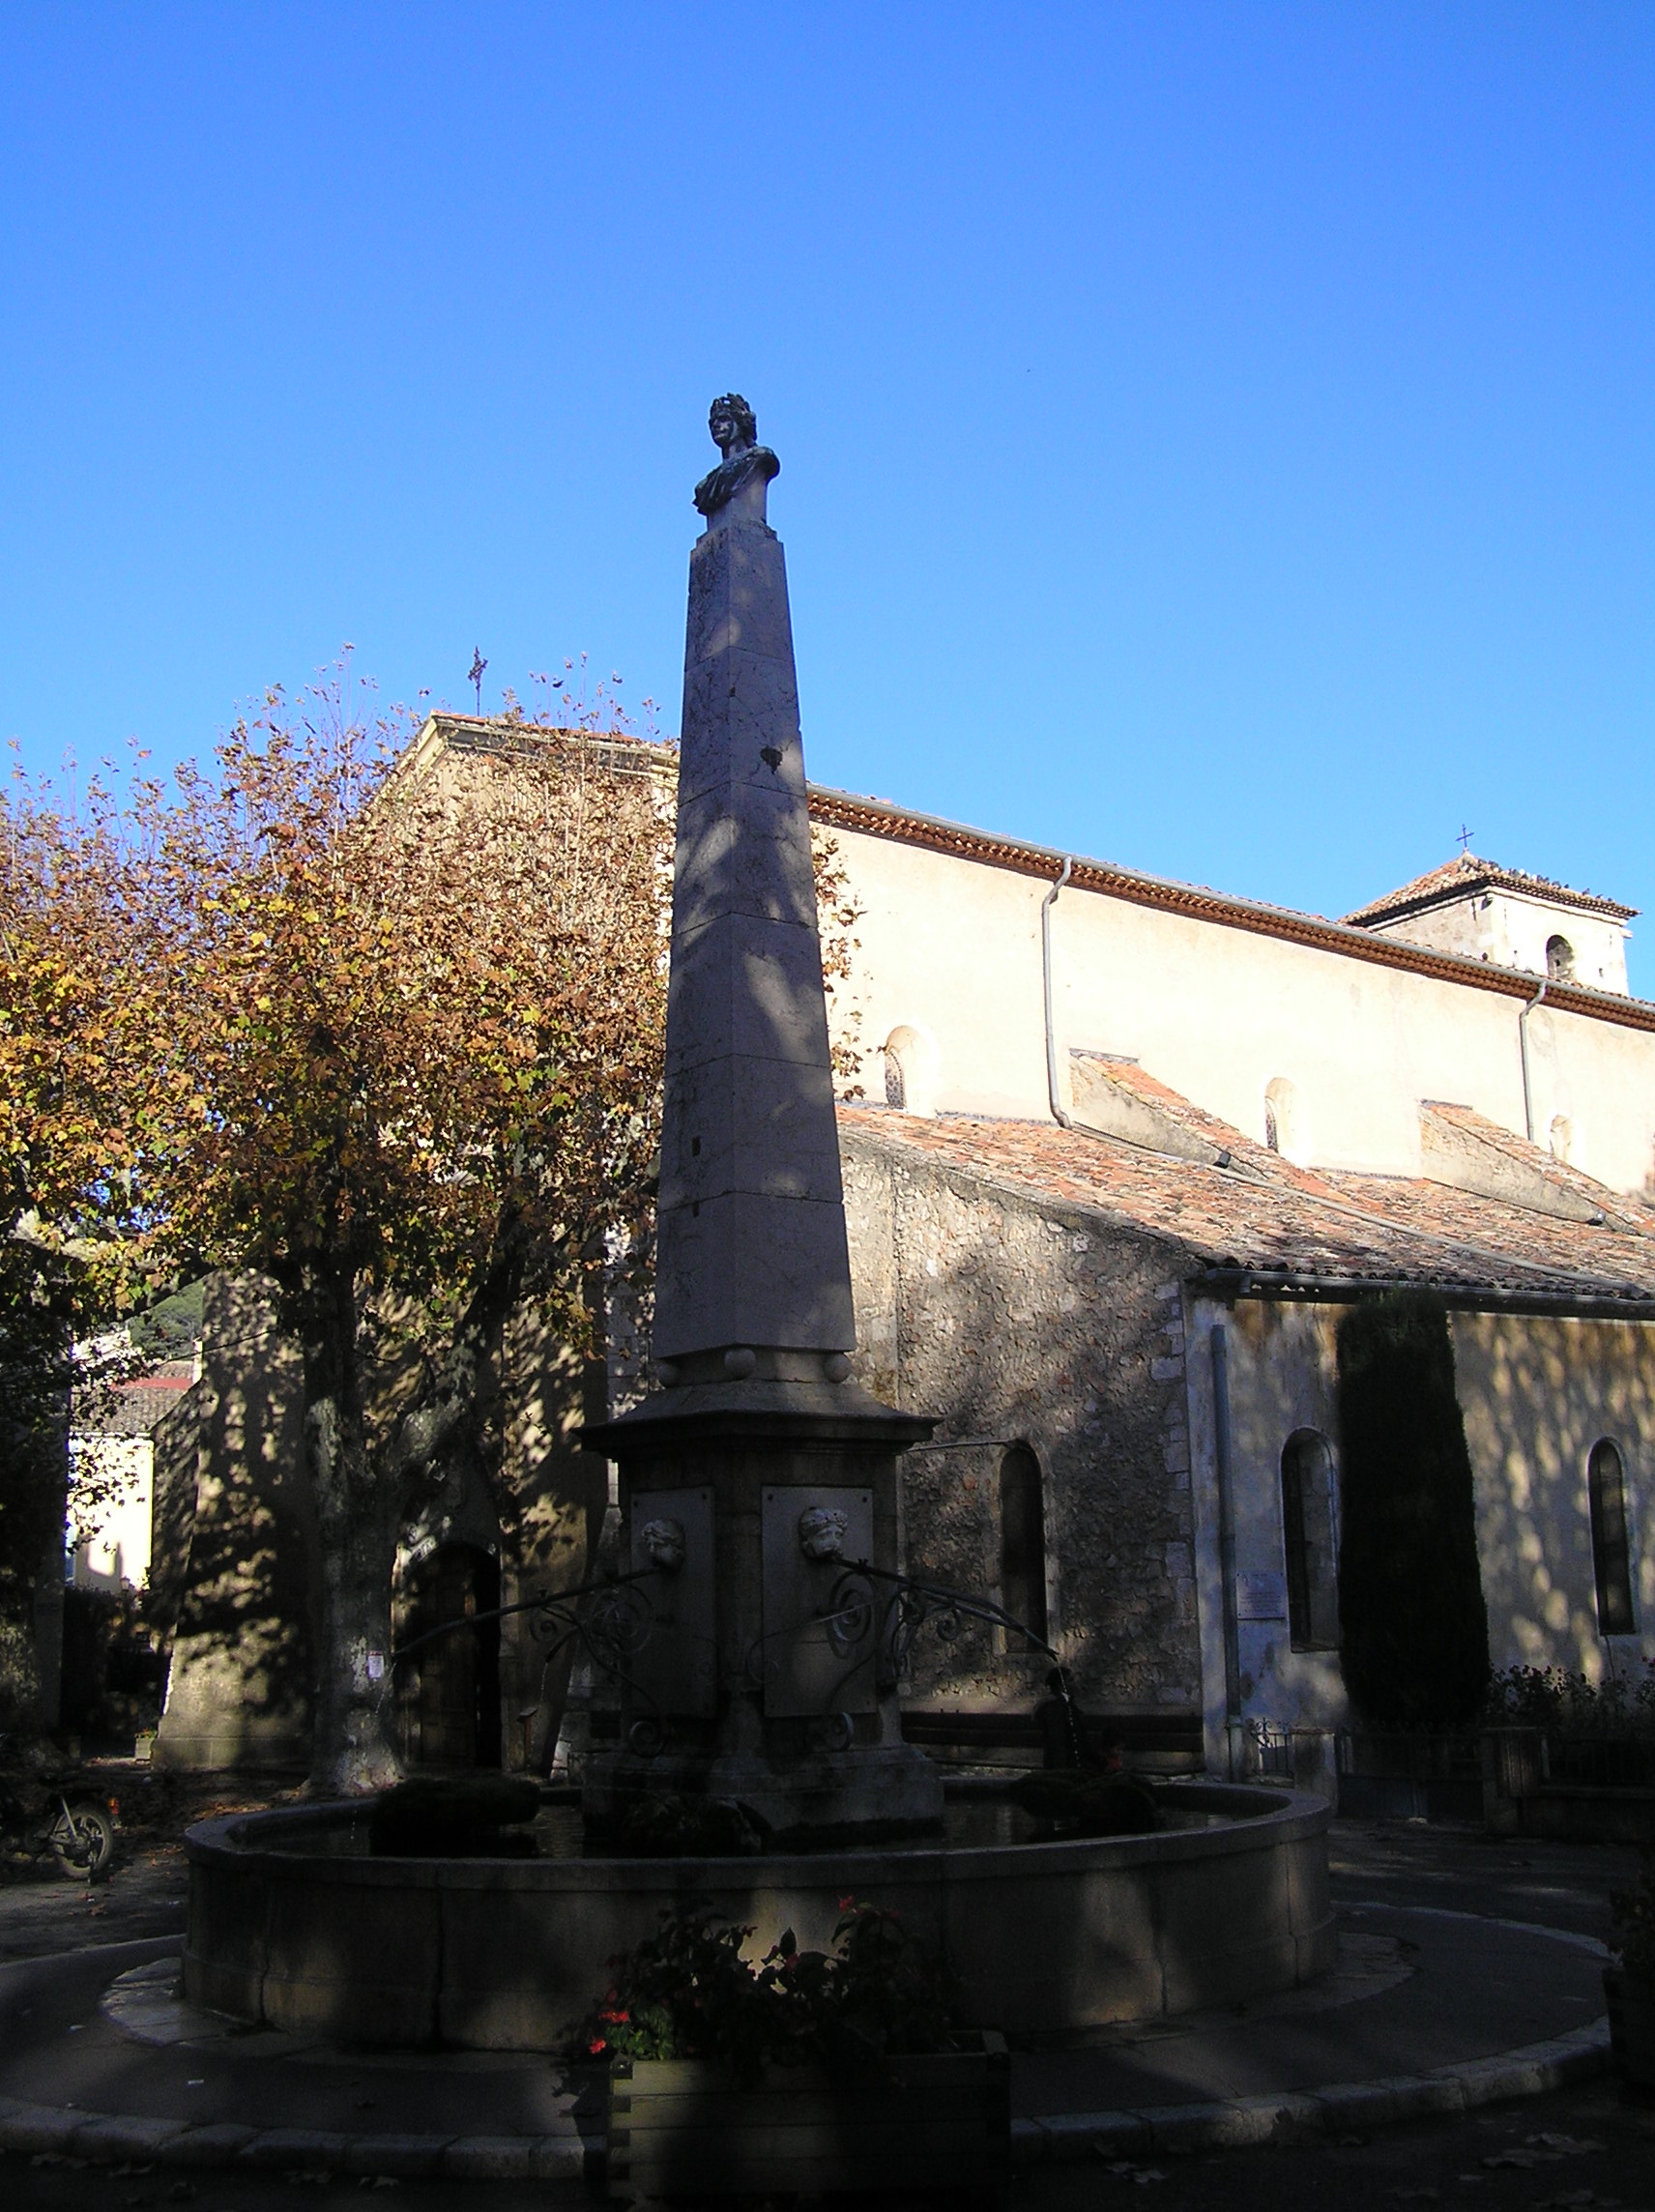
(85, 1853)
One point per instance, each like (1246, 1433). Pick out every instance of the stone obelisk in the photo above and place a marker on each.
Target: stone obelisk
(759, 1482)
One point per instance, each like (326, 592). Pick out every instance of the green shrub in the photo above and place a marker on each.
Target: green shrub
(1571, 1705)
(1415, 1631)
(687, 1992)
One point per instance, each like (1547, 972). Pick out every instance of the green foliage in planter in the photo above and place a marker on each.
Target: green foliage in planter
(687, 1992)
(1571, 1705)
(1415, 1631)
(1634, 1912)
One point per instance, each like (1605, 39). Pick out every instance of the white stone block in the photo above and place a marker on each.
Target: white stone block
(749, 1269)
(761, 1125)
(744, 850)
(745, 987)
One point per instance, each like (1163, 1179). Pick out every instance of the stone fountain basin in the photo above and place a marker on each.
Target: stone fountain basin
(294, 1927)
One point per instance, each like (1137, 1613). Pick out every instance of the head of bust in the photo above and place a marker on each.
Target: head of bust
(733, 424)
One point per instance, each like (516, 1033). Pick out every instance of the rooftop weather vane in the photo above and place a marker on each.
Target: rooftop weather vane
(474, 674)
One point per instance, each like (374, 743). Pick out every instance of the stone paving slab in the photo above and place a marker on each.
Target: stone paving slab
(1233, 2123)
(151, 2038)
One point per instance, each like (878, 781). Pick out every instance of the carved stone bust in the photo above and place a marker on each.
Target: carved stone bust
(747, 467)
(821, 1532)
(663, 1545)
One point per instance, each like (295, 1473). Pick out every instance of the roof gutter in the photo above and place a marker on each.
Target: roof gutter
(877, 817)
(1232, 1283)
(1046, 905)
(1522, 1047)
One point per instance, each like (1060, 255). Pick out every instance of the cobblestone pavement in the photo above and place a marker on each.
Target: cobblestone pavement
(41, 1913)
(1578, 2150)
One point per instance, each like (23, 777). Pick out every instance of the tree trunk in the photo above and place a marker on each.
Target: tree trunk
(353, 1745)
(360, 1499)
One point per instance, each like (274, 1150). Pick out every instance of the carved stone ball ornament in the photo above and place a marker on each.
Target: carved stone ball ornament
(735, 430)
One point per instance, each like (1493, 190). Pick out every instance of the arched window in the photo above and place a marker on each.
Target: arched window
(912, 1068)
(1023, 1540)
(1560, 959)
(1310, 1541)
(1280, 1115)
(1611, 1555)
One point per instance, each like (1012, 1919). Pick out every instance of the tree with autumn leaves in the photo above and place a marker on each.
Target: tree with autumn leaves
(391, 1039)
(72, 1232)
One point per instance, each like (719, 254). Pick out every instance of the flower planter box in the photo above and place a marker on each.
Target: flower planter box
(687, 2127)
(1631, 2001)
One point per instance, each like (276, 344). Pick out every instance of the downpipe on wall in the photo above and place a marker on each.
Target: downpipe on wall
(1522, 1047)
(1046, 905)
(1234, 1732)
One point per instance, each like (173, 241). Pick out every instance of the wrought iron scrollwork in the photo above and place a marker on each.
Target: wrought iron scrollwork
(864, 1627)
(611, 1630)
(917, 1604)
(615, 1628)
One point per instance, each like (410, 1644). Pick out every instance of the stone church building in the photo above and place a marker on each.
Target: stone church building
(1120, 1153)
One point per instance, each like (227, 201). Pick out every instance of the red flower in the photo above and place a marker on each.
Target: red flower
(847, 1904)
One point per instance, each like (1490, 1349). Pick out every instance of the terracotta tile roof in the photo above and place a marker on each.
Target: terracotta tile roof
(132, 1407)
(1464, 873)
(1636, 1213)
(1261, 1214)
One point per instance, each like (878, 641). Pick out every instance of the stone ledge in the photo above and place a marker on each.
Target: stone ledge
(1222, 2124)
(1234, 2122)
(122, 2136)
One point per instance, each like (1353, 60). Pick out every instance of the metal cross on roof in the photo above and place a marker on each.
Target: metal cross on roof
(1465, 838)
(473, 673)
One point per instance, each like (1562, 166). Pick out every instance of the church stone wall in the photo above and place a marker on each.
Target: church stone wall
(236, 1541)
(1536, 1393)
(239, 1681)
(1016, 1318)
(951, 948)
(1512, 930)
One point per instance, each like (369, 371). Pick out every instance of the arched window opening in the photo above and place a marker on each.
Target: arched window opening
(1281, 1112)
(1023, 1540)
(911, 1070)
(1310, 1542)
(1611, 1554)
(1562, 1137)
(1559, 960)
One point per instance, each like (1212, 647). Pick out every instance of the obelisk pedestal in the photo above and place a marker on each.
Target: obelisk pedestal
(757, 1485)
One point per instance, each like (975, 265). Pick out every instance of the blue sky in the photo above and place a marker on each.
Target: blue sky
(1218, 438)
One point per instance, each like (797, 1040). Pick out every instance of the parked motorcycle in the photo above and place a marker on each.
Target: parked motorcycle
(77, 1832)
